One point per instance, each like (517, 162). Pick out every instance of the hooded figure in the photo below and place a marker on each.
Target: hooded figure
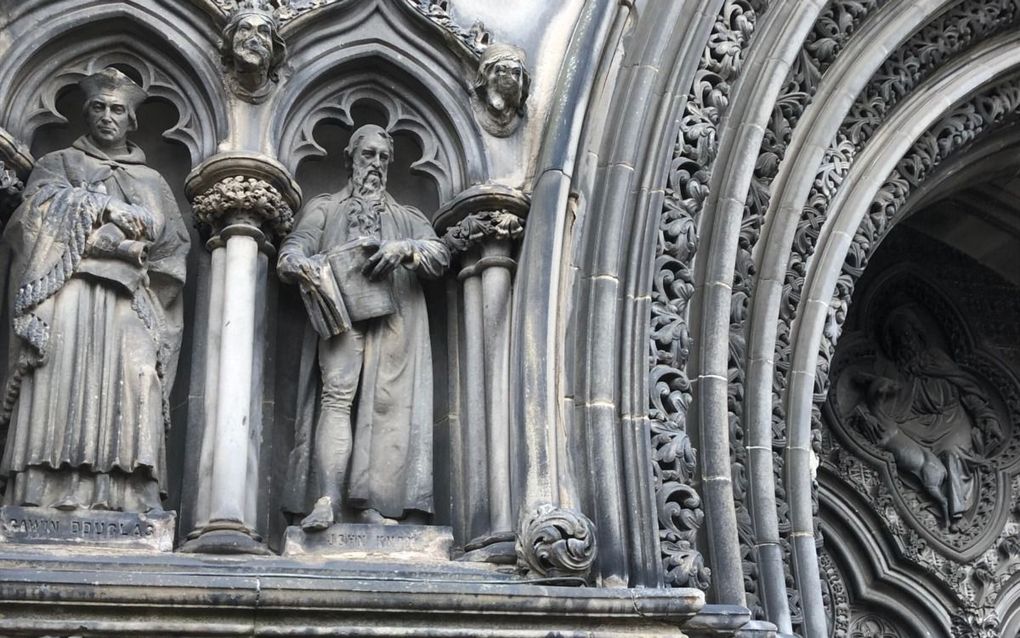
(97, 251)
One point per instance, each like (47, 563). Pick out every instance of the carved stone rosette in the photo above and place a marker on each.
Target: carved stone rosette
(556, 543)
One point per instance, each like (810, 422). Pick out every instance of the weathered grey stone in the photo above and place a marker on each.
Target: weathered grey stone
(87, 528)
(383, 542)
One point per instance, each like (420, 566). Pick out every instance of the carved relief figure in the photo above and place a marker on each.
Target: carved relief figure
(932, 415)
(99, 251)
(501, 89)
(252, 50)
(362, 252)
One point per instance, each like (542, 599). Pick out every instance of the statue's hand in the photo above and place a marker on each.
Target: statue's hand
(135, 221)
(292, 268)
(390, 254)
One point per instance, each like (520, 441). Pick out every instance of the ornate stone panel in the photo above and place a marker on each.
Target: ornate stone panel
(680, 514)
(926, 428)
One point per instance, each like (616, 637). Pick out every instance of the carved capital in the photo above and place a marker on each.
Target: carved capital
(476, 229)
(247, 201)
(241, 188)
(557, 543)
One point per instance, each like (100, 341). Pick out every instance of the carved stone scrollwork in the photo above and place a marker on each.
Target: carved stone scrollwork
(252, 50)
(835, 595)
(556, 543)
(240, 199)
(974, 624)
(872, 626)
(674, 460)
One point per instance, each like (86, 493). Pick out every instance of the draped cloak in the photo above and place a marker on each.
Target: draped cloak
(392, 417)
(91, 361)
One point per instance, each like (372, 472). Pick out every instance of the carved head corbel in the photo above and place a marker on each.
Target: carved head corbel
(252, 49)
(501, 89)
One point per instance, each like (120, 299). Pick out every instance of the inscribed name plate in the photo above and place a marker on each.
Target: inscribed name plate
(425, 542)
(87, 528)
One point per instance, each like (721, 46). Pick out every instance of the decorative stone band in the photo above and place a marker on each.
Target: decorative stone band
(244, 200)
(673, 457)
(481, 227)
(556, 543)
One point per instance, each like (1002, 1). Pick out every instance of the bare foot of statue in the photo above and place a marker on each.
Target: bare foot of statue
(321, 516)
(373, 517)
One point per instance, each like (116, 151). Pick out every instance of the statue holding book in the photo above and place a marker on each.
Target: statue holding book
(363, 438)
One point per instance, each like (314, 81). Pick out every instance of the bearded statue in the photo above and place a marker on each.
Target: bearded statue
(501, 89)
(252, 50)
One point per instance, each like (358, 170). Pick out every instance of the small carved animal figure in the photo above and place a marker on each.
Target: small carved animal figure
(908, 454)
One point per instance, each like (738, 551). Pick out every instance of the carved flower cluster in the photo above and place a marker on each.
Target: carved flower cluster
(481, 227)
(556, 542)
(247, 198)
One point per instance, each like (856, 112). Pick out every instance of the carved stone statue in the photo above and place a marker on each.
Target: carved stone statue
(252, 50)
(357, 255)
(99, 250)
(501, 89)
(931, 415)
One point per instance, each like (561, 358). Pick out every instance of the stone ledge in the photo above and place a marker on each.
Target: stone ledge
(155, 595)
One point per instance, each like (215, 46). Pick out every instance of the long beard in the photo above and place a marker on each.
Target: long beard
(367, 185)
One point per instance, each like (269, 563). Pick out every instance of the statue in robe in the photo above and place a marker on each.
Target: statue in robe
(366, 442)
(97, 255)
(931, 414)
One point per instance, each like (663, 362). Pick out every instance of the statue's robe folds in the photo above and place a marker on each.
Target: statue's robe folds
(391, 462)
(95, 341)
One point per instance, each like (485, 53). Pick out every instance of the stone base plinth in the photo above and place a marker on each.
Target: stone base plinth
(414, 542)
(108, 593)
(44, 526)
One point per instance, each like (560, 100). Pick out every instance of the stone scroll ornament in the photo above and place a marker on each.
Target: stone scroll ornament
(252, 50)
(97, 319)
(556, 543)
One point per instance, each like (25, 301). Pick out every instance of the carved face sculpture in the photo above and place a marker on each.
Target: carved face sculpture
(370, 152)
(252, 43)
(504, 81)
(109, 118)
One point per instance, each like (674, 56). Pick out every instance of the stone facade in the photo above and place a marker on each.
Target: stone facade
(468, 318)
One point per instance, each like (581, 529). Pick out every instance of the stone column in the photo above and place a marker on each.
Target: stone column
(484, 240)
(246, 202)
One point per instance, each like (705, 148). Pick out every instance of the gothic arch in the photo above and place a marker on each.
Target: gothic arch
(71, 40)
(422, 92)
